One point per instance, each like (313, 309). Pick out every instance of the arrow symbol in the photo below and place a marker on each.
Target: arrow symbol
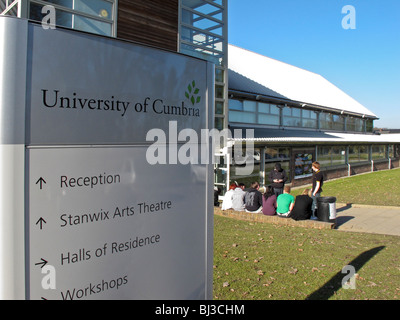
(41, 181)
(40, 221)
(43, 263)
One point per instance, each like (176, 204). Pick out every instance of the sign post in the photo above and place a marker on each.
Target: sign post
(105, 216)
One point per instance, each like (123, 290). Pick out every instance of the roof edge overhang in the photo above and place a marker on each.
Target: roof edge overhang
(303, 143)
(268, 136)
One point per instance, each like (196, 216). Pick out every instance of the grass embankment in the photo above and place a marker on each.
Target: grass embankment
(266, 261)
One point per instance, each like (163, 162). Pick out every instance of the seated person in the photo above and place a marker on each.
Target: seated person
(238, 197)
(217, 192)
(302, 206)
(227, 202)
(285, 203)
(253, 199)
(269, 202)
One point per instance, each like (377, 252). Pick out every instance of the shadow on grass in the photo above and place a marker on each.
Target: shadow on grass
(335, 283)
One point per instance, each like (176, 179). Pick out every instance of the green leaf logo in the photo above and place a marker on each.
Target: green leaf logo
(192, 93)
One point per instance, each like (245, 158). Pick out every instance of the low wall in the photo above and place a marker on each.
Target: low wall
(259, 217)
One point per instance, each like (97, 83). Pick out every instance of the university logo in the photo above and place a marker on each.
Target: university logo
(192, 93)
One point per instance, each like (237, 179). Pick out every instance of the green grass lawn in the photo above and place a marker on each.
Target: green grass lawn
(380, 188)
(266, 261)
(260, 261)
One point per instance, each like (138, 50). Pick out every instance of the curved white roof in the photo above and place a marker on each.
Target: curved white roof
(252, 70)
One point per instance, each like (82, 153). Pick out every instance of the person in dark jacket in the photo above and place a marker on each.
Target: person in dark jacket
(278, 177)
(253, 199)
(302, 206)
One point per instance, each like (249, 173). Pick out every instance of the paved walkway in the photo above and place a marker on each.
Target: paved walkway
(349, 217)
(369, 219)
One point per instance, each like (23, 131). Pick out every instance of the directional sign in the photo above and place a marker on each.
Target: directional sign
(120, 234)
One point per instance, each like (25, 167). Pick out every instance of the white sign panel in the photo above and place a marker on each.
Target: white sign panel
(89, 89)
(104, 221)
(104, 224)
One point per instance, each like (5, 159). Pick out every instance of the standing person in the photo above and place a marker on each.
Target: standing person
(302, 206)
(253, 199)
(238, 198)
(285, 203)
(317, 182)
(278, 177)
(269, 202)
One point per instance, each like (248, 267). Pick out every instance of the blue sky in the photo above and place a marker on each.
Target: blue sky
(363, 62)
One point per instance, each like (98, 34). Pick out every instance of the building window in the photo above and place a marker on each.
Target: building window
(378, 152)
(219, 107)
(391, 152)
(235, 105)
(355, 124)
(242, 111)
(268, 114)
(291, 117)
(295, 117)
(308, 119)
(274, 155)
(358, 153)
(330, 121)
(244, 117)
(303, 160)
(219, 123)
(94, 16)
(331, 156)
(277, 154)
(338, 155)
(369, 125)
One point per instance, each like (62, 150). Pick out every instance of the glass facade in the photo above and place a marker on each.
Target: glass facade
(379, 152)
(309, 119)
(268, 114)
(330, 156)
(358, 153)
(256, 112)
(272, 156)
(355, 124)
(330, 121)
(297, 161)
(203, 34)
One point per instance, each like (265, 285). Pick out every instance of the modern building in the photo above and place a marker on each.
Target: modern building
(299, 117)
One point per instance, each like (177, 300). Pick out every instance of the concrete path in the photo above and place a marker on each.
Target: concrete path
(369, 219)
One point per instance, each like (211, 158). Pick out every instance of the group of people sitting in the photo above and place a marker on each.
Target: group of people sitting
(269, 203)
